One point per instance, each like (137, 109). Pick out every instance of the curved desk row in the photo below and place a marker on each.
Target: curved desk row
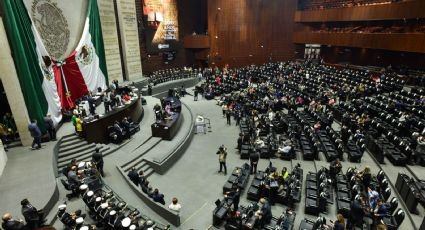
(96, 131)
(167, 128)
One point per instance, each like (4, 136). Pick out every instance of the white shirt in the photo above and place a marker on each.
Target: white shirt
(175, 207)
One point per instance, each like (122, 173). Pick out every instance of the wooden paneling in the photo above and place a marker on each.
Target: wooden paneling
(409, 9)
(397, 42)
(197, 42)
(246, 32)
(373, 57)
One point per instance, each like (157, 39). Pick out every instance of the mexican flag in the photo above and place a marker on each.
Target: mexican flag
(49, 85)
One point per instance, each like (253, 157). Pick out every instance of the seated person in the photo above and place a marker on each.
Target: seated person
(145, 186)
(284, 174)
(158, 197)
(175, 205)
(68, 219)
(286, 149)
(126, 97)
(259, 143)
(317, 126)
(119, 130)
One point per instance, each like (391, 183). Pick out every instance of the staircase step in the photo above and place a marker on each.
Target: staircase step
(71, 144)
(148, 172)
(70, 137)
(143, 166)
(76, 149)
(142, 151)
(78, 154)
(15, 143)
(84, 157)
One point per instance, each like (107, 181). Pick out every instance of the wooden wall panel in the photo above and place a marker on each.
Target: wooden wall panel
(197, 41)
(409, 9)
(396, 42)
(373, 57)
(245, 32)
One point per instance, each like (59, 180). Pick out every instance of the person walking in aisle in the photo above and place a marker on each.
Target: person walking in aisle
(35, 133)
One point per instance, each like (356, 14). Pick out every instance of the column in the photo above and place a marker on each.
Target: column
(129, 39)
(12, 88)
(110, 39)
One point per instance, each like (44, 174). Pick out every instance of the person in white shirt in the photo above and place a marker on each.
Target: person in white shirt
(175, 206)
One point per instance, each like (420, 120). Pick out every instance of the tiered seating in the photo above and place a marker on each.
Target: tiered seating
(239, 177)
(318, 192)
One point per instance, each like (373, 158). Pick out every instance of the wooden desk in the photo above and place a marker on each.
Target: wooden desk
(96, 131)
(167, 129)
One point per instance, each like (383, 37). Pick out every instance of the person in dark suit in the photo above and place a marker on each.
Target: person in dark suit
(10, 224)
(142, 177)
(48, 122)
(97, 158)
(265, 212)
(228, 116)
(35, 133)
(158, 197)
(380, 212)
(195, 93)
(134, 176)
(235, 195)
(253, 158)
(68, 219)
(32, 216)
(356, 214)
(92, 104)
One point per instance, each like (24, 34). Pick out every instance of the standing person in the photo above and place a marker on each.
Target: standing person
(222, 154)
(79, 125)
(35, 133)
(32, 216)
(335, 168)
(107, 100)
(253, 158)
(228, 116)
(195, 94)
(238, 115)
(92, 104)
(356, 213)
(74, 119)
(224, 109)
(339, 224)
(48, 122)
(235, 195)
(380, 212)
(134, 176)
(97, 158)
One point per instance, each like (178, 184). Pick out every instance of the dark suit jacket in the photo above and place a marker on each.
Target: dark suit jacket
(134, 177)
(30, 213)
(67, 219)
(13, 225)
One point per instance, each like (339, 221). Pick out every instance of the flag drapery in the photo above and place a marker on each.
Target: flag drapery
(48, 85)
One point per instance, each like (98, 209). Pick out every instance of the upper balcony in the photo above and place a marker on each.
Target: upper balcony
(400, 10)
